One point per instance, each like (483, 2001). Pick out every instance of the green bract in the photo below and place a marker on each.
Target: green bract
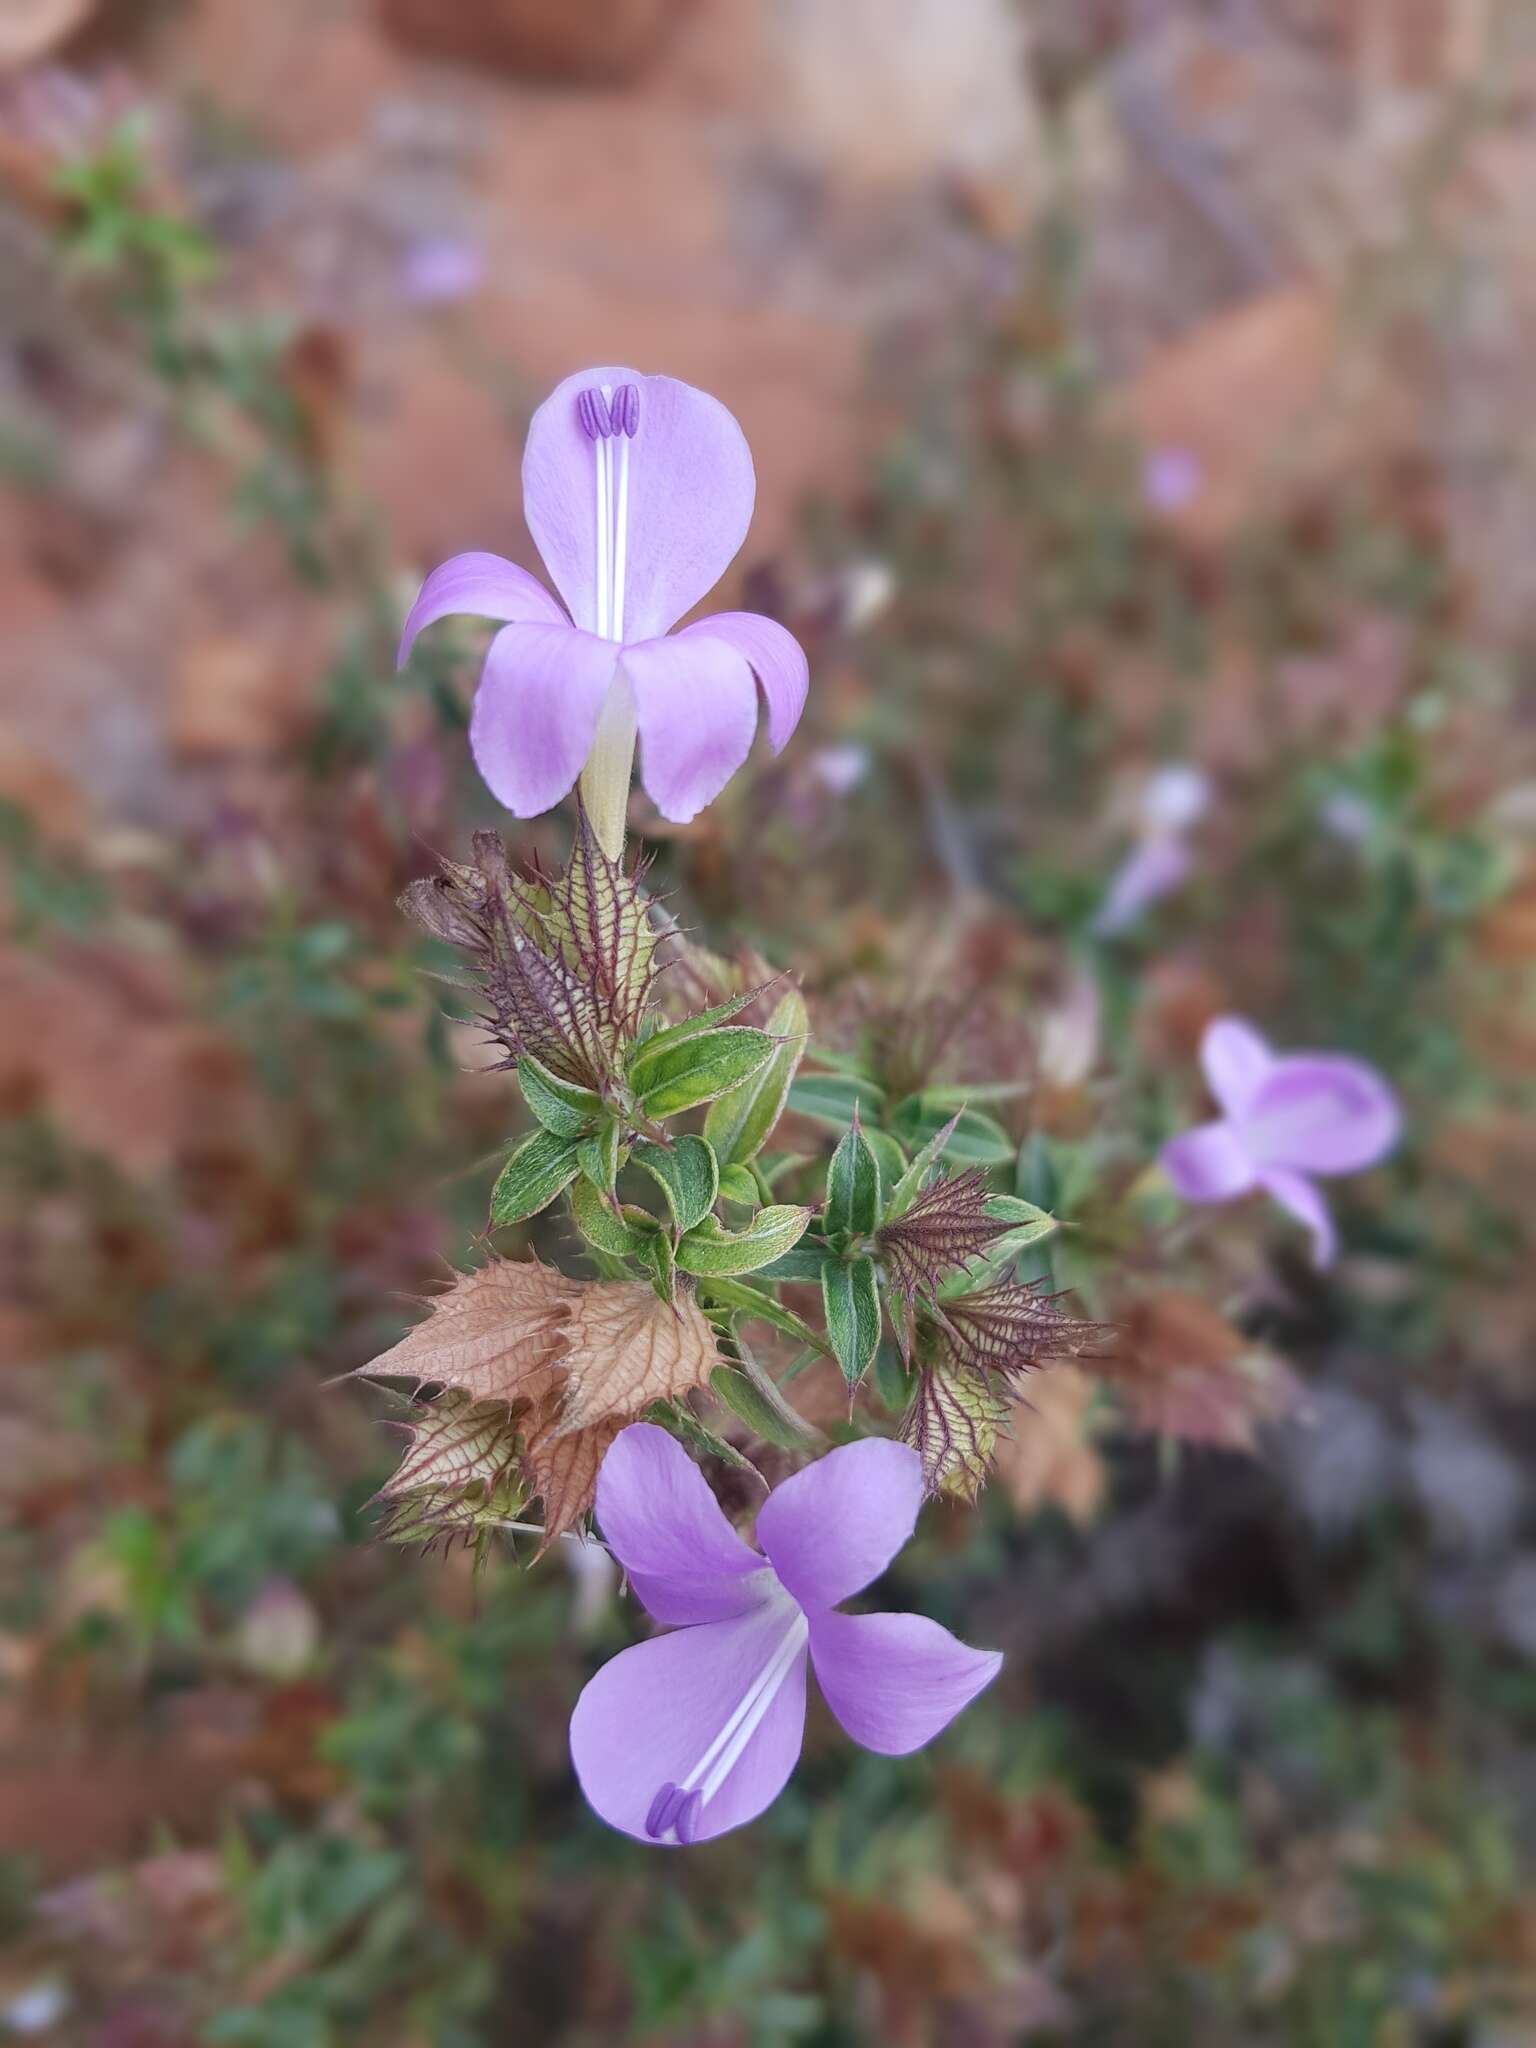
(670, 1078)
(537, 1171)
(710, 1250)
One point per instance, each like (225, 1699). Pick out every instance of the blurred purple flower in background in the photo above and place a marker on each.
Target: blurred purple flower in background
(691, 1734)
(1285, 1119)
(1172, 804)
(638, 492)
(1170, 477)
(436, 270)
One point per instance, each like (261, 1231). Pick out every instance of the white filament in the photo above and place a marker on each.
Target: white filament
(729, 1746)
(612, 526)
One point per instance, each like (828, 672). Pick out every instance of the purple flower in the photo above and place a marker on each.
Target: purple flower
(691, 1734)
(638, 492)
(1285, 1118)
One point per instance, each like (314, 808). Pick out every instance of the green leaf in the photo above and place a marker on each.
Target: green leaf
(599, 1158)
(710, 1251)
(679, 1420)
(893, 1161)
(560, 1106)
(834, 1098)
(690, 1027)
(682, 1076)
(977, 1139)
(620, 1232)
(657, 1255)
(741, 1121)
(956, 1096)
(739, 1184)
(909, 1187)
(851, 1298)
(1026, 1223)
(1036, 1178)
(536, 1172)
(750, 1394)
(803, 1263)
(688, 1176)
(742, 1299)
(894, 1380)
(853, 1188)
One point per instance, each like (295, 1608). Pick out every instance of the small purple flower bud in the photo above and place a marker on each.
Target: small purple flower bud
(626, 410)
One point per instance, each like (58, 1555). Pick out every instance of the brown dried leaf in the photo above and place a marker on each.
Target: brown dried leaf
(1185, 1371)
(493, 1336)
(626, 1349)
(30, 29)
(455, 1443)
(561, 1467)
(1047, 1458)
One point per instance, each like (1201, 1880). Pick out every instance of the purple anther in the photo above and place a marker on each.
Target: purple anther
(592, 411)
(663, 1810)
(686, 1818)
(626, 410)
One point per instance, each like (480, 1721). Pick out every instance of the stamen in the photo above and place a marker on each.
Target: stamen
(663, 1807)
(592, 411)
(626, 410)
(621, 517)
(677, 1809)
(686, 1819)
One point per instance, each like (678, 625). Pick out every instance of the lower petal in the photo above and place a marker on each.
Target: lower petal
(776, 658)
(1208, 1164)
(696, 708)
(536, 710)
(894, 1680)
(717, 1711)
(486, 586)
(1295, 1193)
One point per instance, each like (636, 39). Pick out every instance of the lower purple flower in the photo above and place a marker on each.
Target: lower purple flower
(1286, 1118)
(691, 1734)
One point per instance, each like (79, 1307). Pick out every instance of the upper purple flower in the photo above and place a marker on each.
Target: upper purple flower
(638, 492)
(690, 1734)
(1286, 1118)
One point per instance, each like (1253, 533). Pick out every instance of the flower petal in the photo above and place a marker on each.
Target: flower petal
(1236, 1061)
(537, 707)
(1321, 1113)
(776, 658)
(660, 1520)
(833, 1528)
(652, 1715)
(691, 492)
(696, 709)
(894, 1680)
(485, 585)
(1209, 1163)
(1295, 1193)
(1151, 871)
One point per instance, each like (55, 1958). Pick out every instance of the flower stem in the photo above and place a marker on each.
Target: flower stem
(605, 779)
